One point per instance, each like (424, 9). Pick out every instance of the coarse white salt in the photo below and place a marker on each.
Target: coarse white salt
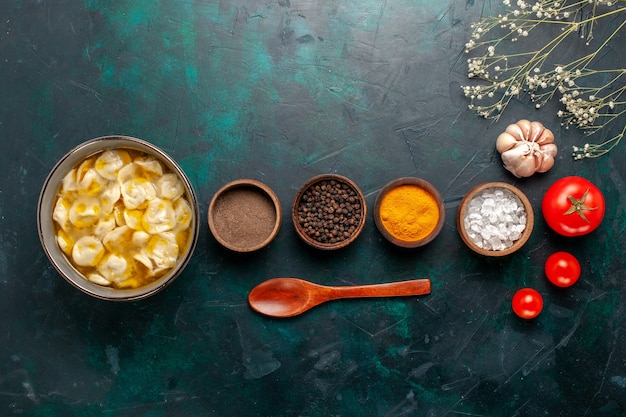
(494, 219)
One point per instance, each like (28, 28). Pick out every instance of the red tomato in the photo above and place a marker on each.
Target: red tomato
(562, 269)
(527, 303)
(573, 206)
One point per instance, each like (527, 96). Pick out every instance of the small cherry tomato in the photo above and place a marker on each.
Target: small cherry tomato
(573, 206)
(527, 303)
(562, 269)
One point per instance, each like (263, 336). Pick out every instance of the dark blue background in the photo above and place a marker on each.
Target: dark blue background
(280, 91)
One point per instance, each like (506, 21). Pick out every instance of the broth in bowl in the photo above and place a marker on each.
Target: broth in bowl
(122, 218)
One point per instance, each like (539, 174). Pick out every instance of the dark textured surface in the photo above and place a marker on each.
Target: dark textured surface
(281, 91)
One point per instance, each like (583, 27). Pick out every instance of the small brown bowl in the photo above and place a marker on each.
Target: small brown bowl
(340, 203)
(244, 215)
(470, 238)
(413, 222)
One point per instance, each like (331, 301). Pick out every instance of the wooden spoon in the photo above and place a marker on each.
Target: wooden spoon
(287, 297)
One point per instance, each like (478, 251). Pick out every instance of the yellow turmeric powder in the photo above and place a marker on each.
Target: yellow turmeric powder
(409, 212)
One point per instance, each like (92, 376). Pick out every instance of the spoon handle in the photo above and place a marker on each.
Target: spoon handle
(392, 289)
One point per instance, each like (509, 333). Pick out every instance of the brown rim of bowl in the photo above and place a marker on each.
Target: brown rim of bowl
(254, 185)
(409, 181)
(296, 202)
(530, 219)
(47, 235)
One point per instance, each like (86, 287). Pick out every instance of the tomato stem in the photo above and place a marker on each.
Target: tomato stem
(578, 206)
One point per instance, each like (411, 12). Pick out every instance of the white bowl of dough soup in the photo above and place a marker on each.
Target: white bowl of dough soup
(118, 218)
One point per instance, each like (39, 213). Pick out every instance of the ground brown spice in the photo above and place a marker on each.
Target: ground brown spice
(244, 217)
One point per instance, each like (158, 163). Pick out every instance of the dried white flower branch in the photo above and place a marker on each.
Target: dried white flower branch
(591, 98)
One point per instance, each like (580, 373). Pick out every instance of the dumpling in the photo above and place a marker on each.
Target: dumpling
(163, 250)
(85, 211)
(110, 162)
(98, 279)
(183, 214)
(133, 219)
(137, 192)
(113, 268)
(159, 216)
(69, 182)
(118, 239)
(140, 239)
(127, 173)
(65, 242)
(170, 187)
(150, 166)
(109, 196)
(104, 226)
(87, 251)
(61, 213)
(88, 180)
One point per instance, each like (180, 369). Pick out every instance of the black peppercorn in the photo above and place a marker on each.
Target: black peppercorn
(329, 211)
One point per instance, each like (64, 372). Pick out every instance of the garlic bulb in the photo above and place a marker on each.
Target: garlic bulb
(526, 147)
